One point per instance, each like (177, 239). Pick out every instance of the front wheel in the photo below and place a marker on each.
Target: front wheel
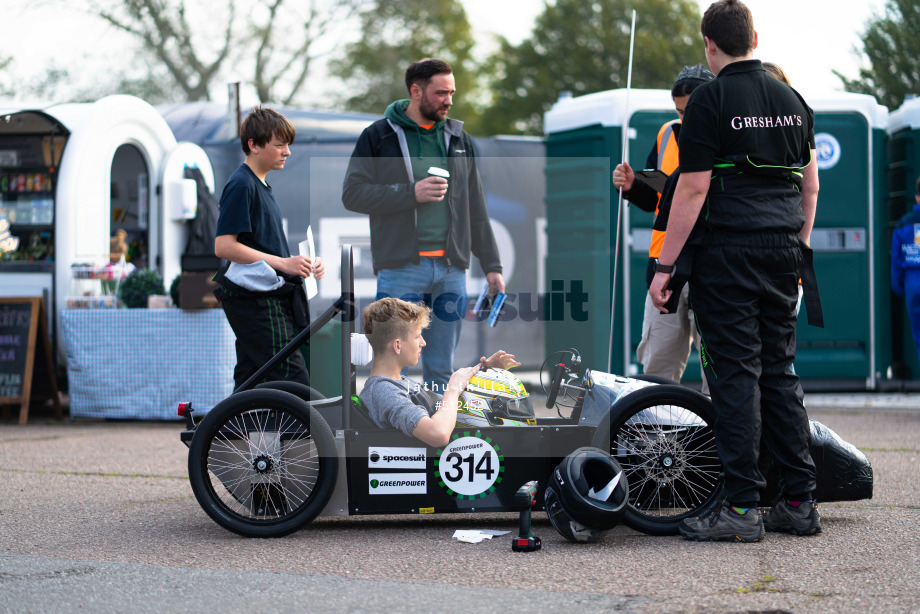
(663, 438)
(656, 379)
(262, 463)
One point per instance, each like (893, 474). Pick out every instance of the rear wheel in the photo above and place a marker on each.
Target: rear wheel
(262, 463)
(299, 390)
(663, 438)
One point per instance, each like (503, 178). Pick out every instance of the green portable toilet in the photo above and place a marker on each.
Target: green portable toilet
(903, 170)
(584, 142)
(850, 241)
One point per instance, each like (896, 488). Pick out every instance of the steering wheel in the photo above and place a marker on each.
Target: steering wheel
(556, 383)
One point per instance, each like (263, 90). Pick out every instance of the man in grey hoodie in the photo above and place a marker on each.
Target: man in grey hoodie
(424, 223)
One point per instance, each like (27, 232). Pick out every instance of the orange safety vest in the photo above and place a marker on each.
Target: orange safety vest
(668, 160)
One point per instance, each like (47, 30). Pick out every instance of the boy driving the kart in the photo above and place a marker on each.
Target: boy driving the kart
(394, 329)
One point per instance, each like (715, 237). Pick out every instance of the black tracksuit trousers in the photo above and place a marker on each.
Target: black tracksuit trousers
(743, 291)
(263, 327)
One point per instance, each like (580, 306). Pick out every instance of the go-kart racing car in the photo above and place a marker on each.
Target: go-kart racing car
(271, 457)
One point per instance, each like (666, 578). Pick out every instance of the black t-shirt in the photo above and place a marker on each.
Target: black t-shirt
(747, 127)
(249, 209)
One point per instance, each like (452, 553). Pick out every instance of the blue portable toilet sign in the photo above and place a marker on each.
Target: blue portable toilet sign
(828, 150)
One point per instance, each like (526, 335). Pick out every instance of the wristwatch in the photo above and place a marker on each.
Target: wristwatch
(663, 268)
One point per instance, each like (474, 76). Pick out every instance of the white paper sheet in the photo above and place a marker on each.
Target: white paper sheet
(470, 537)
(308, 248)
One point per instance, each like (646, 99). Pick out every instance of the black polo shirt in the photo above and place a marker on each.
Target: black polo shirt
(248, 209)
(747, 127)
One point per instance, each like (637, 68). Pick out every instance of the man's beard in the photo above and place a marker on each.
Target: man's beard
(430, 111)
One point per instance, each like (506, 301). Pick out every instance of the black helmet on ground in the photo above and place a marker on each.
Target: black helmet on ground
(587, 494)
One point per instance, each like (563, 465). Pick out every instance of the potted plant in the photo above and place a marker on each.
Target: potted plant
(138, 286)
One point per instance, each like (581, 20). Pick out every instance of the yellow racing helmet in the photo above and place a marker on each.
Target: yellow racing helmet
(495, 397)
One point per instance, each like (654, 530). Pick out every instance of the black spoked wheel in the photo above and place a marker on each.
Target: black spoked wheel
(299, 390)
(262, 463)
(663, 438)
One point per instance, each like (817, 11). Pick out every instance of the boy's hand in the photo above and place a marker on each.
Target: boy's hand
(499, 360)
(319, 268)
(659, 292)
(461, 377)
(301, 266)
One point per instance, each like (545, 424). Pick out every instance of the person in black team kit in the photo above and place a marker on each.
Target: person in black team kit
(261, 284)
(746, 199)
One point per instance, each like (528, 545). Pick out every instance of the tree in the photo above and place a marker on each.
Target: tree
(395, 33)
(196, 44)
(58, 84)
(45, 86)
(5, 68)
(891, 43)
(582, 46)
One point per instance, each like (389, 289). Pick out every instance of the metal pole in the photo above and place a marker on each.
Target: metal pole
(616, 250)
(233, 108)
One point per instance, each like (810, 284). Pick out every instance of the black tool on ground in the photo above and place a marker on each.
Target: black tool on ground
(524, 498)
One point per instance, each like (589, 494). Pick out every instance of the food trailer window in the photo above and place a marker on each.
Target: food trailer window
(27, 171)
(130, 203)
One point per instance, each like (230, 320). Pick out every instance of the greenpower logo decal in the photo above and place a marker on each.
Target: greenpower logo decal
(397, 484)
(470, 467)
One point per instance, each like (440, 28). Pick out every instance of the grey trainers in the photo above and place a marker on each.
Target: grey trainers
(721, 523)
(801, 520)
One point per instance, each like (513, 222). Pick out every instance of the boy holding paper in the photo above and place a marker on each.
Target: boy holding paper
(261, 286)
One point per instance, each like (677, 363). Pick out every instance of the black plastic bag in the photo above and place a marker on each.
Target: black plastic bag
(843, 473)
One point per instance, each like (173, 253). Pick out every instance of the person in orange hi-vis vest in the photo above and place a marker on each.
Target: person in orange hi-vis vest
(666, 338)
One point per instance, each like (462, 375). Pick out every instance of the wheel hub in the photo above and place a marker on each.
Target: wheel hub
(668, 460)
(262, 464)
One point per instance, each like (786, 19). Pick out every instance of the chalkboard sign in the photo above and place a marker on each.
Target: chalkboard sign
(23, 338)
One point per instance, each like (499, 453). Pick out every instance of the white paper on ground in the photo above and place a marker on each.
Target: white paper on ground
(308, 248)
(471, 537)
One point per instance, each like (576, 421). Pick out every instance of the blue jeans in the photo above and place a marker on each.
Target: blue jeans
(443, 288)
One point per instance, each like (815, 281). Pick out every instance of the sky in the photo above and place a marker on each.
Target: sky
(808, 38)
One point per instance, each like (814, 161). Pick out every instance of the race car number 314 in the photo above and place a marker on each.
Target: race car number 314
(469, 467)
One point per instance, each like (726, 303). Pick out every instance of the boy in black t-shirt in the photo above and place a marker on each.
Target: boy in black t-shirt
(266, 300)
(747, 203)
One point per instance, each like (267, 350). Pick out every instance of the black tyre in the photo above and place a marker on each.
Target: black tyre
(262, 463)
(301, 391)
(663, 438)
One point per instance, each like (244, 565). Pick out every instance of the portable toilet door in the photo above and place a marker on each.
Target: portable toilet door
(849, 243)
(584, 143)
(903, 172)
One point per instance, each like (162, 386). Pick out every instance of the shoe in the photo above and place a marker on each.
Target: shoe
(721, 523)
(801, 520)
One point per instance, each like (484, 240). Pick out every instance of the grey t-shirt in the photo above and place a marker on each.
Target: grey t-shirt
(390, 405)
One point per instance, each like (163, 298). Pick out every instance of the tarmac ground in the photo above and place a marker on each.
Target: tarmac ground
(99, 516)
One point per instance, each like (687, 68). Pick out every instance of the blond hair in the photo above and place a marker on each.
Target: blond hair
(391, 318)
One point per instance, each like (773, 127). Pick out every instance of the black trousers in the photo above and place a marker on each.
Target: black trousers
(263, 326)
(743, 290)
